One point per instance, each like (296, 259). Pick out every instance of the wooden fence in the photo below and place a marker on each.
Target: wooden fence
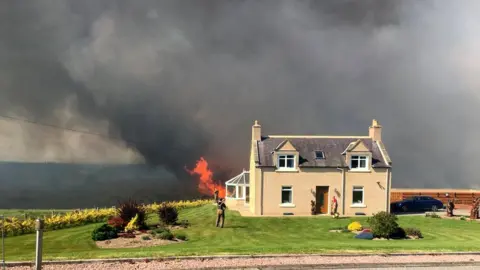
(460, 196)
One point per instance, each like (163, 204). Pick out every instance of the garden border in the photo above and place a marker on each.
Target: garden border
(211, 257)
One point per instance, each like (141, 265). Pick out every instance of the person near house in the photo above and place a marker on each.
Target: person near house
(334, 205)
(221, 212)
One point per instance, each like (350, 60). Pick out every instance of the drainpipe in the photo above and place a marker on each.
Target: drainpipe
(387, 190)
(343, 189)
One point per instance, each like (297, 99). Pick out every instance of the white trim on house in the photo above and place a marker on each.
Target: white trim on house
(356, 204)
(360, 158)
(287, 157)
(289, 204)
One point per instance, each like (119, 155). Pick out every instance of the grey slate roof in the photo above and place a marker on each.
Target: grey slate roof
(331, 147)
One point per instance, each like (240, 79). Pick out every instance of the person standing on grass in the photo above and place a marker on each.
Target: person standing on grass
(221, 212)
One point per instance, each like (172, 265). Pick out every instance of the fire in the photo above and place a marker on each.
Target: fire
(206, 185)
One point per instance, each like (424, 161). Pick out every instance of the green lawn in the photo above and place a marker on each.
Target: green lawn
(247, 235)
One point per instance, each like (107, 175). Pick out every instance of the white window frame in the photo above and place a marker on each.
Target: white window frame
(289, 204)
(359, 158)
(286, 157)
(362, 189)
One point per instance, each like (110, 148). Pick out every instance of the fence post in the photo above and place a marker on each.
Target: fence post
(38, 251)
(3, 242)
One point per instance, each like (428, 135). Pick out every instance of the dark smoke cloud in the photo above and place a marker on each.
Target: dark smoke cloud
(180, 79)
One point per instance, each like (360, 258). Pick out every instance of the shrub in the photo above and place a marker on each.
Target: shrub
(184, 223)
(129, 209)
(181, 236)
(104, 232)
(168, 214)
(146, 237)
(117, 223)
(462, 218)
(132, 225)
(160, 230)
(166, 235)
(413, 232)
(336, 216)
(399, 233)
(383, 224)
(355, 226)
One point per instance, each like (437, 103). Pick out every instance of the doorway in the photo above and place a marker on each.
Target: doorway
(321, 199)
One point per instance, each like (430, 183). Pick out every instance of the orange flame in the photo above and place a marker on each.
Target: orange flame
(206, 185)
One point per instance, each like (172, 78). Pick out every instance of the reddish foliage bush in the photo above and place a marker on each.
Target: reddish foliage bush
(116, 222)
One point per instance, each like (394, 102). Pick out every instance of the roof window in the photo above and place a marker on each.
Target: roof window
(319, 155)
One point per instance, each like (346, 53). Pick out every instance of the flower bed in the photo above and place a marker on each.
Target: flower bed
(15, 226)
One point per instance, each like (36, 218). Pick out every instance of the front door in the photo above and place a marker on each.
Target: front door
(321, 200)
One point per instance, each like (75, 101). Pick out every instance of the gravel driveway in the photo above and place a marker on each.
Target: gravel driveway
(232, 263)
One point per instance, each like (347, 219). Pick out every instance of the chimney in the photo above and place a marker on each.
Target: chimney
(256, 131)
(375, 131)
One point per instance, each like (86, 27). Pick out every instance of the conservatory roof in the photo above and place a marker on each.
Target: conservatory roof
(241, 179)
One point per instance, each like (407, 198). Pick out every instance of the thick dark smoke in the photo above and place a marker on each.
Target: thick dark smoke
(176, 80)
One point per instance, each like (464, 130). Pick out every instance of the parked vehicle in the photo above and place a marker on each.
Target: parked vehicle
(416, 204)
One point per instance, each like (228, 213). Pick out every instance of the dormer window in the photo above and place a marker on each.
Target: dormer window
(358, 162)
(286, 162)
(319, 155)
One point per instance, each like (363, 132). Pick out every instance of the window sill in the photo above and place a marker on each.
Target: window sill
(286, 170)
(360, 170)
(287, 205)
(358, 206)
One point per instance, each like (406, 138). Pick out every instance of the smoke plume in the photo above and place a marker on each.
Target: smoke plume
(176, 80)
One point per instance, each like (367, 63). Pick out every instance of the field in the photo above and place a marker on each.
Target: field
(248, 235)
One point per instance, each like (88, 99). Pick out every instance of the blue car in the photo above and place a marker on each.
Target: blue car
(416, 204)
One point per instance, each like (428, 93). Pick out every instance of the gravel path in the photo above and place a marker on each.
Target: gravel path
(252, 262)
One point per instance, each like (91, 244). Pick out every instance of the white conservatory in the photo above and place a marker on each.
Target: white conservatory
(238, 190)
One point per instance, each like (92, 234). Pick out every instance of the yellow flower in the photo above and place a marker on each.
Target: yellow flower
(355, 226)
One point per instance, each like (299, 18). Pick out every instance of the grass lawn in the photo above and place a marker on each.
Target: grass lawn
(248, 235)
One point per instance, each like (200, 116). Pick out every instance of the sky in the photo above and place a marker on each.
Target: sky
(165, 82)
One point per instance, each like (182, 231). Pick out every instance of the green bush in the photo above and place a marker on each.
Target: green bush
(413, 232)
(399, 233)
(146, 237)
(168, 214)
(166, 235)
(159, 230)
(383, 224)
(104, 232)
(181, 236)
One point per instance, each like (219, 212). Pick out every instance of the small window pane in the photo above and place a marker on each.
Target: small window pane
(319, 155)
(240, 192)
(354, 163)
(290, 163)
(363, 163)
(231, 192)
(281, 162)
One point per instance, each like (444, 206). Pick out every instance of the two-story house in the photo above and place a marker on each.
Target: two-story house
(288, 172)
